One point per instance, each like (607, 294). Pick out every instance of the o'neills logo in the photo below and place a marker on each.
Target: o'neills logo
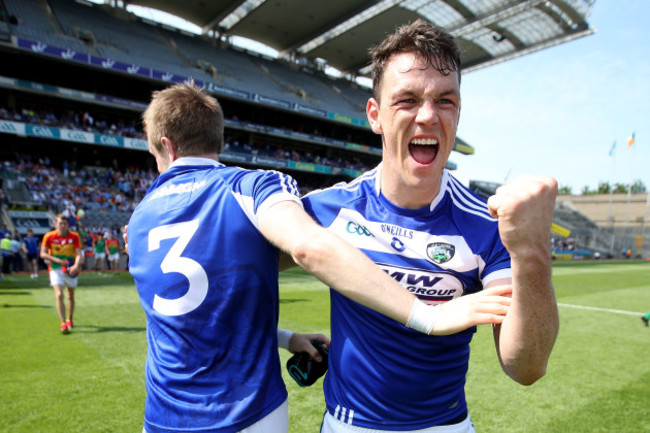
(440, 252)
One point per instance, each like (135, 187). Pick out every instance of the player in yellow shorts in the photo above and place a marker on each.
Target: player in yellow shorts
(62, 249)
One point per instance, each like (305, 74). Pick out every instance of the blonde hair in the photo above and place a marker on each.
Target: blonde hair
(188, 116)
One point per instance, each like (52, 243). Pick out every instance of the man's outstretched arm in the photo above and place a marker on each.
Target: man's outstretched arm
(347, 270)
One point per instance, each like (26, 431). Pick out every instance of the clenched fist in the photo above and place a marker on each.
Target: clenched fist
(524, 209)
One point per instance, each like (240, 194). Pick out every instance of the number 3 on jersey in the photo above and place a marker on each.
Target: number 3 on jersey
(173, 262)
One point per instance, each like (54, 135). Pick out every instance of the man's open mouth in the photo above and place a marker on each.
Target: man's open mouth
(423, 150)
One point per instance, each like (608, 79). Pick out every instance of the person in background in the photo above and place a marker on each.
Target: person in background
(31, 247)
(113, 250)
(61, 247)
(17, 250)
(4, 230)
(89, 251)
(99, 244)
(7, 253)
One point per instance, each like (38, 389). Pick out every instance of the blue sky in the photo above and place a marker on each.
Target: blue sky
(558, 111)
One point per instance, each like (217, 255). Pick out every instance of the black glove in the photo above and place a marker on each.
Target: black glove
(304, 369)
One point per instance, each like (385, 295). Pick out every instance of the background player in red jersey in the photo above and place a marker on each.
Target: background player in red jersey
(113, 247)
(62, 249)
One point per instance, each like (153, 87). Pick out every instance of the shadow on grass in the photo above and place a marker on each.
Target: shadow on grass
(89, 279)
(106, 280)
(292, 301)
(25, 306)
(93, 329)
(13, 293)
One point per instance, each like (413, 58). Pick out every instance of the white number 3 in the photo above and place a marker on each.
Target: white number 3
(173, 262)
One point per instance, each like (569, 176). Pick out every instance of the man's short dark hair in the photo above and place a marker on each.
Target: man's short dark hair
(427, 40)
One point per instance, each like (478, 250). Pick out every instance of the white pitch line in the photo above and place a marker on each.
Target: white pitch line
(608, 310)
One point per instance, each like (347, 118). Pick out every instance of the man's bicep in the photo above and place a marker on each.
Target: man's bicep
(498, 282)
(284, 223)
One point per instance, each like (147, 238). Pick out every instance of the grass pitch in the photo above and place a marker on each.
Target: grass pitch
(91, 380)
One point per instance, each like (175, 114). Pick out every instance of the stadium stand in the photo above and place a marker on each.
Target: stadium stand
(585, 219)
(233, 68)
(65, 62)
(118, 39)
(32, 22)
(117, 35)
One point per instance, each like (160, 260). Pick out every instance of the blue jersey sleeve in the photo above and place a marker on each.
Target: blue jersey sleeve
(323, 205)
(259, 190)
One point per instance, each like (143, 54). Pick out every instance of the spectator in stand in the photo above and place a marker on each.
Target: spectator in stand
(80, 215)
(3, 231)
(31, 246)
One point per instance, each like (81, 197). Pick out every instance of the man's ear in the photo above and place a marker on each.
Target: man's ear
(170, 148)
(372, 112)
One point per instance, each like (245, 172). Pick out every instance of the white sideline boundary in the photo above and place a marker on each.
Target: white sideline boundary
(607, 310)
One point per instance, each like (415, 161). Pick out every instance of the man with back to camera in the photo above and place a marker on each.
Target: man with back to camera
(438, 239)
(203, 247)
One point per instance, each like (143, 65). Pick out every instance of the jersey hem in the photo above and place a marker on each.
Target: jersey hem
(233, 428)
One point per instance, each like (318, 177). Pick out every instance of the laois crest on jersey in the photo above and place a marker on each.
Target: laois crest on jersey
(210, 295)
(383, 375)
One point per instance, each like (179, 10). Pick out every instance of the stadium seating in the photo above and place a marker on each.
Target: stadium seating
(119, 39)
(130, 40)
(233, 68)
(34, 24)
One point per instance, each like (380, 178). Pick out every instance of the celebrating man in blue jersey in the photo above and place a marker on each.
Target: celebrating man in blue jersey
(441, 242)
(203, 251)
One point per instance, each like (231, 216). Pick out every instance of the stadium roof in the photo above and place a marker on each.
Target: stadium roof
(339, 32)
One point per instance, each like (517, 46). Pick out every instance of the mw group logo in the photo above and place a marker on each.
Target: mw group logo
(428, 286)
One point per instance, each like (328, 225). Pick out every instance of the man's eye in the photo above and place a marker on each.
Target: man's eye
(407, 101)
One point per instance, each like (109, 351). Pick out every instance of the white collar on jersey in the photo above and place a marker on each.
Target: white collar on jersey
(192, 160)
(436, 199)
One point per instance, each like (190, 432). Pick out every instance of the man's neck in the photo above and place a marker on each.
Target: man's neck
(409, 197)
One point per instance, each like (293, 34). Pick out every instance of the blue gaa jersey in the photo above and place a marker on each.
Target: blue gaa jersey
(383, 375)
(208, 283)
